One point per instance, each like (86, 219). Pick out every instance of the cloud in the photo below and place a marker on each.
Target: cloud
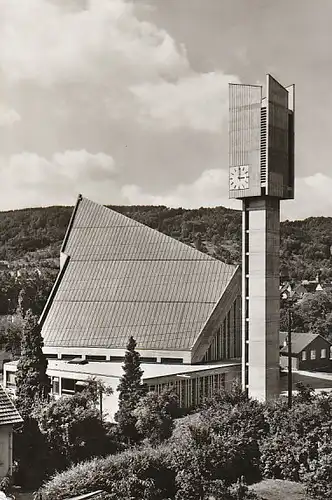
(8, 117)
(32, 180)
(209, 189)
(312, 195)
(47, 43)
(99, 63)
(199, 102)
(93, 76)
(312, 198)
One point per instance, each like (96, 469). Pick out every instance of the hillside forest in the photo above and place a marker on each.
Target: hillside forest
(30, 241)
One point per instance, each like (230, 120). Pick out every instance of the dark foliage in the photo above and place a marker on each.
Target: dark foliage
(312, 313)
(73, 430)
(155, 414)
(32, 388)
(32, 383)
(207, 457)
(131, 390)
(11, 338)
(30, 454)
(214, 453)
(147, 473)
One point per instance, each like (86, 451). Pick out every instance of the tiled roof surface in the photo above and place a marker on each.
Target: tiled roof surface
(300, 340)
(124, 278)
(8, 412)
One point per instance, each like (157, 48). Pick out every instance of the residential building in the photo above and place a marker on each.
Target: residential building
(8, 417)
(310, 352)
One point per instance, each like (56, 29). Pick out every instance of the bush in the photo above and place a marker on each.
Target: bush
(155, 414)
(169, 471)
(291, 448)
(319, 477)
(133, 471)
(214, 453)
(74, 430)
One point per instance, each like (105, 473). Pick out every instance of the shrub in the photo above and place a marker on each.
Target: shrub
(73, 430)
(291, 448)
(168, 471)
(155, 415)
(134, 471)
(319, 477)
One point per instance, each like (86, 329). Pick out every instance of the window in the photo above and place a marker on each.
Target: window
(313, 354)
(323, 353)
(51, 356)
(55, 385)
(173, 361)
(331, 352)
(10, 379)
(95, 357)
(117, 358)
(304, 355)
(68, 386)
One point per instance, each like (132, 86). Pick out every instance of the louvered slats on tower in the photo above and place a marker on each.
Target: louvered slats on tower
(263, 147)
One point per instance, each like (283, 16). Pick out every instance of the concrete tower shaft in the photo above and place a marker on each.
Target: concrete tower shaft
(260, 267)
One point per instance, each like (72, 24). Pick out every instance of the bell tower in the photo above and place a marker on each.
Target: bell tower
(261, 173)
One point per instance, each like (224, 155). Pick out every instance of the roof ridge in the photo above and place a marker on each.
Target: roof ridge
(135, 223)
(71, 222)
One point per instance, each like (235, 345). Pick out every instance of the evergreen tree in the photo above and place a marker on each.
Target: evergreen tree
(32, 389)
(131, 390)
(32, 383)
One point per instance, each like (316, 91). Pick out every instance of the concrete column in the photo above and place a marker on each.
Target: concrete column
(263, 302)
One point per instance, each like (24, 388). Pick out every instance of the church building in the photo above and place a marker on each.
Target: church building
(119, 278)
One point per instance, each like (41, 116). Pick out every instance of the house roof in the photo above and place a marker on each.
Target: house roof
(123, 278)
(300, 341)
(8, 412)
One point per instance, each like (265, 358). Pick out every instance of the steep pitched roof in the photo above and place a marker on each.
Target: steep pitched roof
(300, 341)
(8, 411)
(123, 278)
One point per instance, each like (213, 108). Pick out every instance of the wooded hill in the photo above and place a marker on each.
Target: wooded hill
(30, 239)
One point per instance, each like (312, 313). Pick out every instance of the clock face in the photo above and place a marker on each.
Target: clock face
(239, 177)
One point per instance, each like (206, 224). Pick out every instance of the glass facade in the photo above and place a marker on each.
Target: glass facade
(192, 390)
(227, 340)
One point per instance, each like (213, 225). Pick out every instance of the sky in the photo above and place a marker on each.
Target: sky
(126, 101)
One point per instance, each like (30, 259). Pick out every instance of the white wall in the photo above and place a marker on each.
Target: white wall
(5, 450)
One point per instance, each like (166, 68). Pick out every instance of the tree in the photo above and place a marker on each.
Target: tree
(32, 389)
(314, 313)
(32, 383)
(94, 388)
(73, 429)
(155, 415)
(11, 338)
(131, 390)
(94, 391)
